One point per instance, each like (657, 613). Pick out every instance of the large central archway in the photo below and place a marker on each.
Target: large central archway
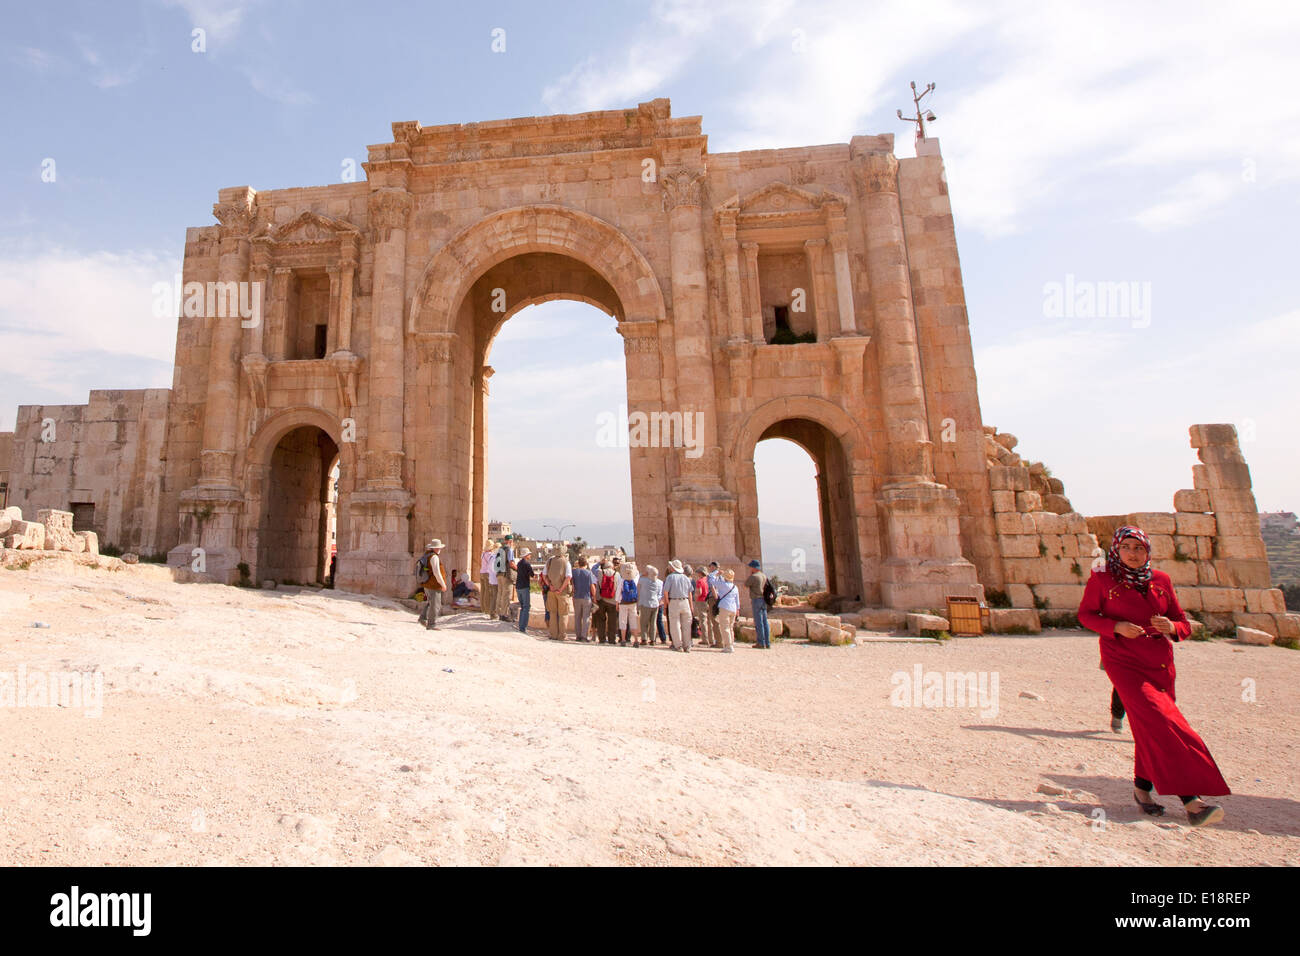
(478, 280)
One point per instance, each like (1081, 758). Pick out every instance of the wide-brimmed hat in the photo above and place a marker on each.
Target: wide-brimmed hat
(435, 544)
(524, 552)
(675, 565)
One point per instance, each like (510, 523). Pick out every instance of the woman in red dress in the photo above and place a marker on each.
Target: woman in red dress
(1134, 609)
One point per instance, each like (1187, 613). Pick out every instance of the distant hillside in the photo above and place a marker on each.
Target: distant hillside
(1282, 539)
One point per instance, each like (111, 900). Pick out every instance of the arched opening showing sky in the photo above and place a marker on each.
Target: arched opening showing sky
(789, 521)
(558, 368)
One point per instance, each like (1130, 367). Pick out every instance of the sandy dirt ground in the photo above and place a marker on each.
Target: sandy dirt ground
(305, 727)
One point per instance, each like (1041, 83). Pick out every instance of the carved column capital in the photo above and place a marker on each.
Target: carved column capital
(389, 209)
(435, 346)
(878, 172)
(682, 187)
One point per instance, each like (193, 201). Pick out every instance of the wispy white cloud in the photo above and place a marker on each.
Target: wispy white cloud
(1057, 93)
(220, 19)
(103, 74)
(57, 306)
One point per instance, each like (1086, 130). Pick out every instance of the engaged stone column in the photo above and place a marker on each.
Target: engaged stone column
(921, 524)
(814, 253)
(389, 209)
(843, 275)
(378, 558)
(682, 198)
(703, 514)
(901, 390)
(235, 213)
(755, 295)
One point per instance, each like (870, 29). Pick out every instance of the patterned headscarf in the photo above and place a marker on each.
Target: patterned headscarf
(1138, 578)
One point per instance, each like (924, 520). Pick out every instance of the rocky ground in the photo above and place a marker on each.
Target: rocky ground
(254, 727)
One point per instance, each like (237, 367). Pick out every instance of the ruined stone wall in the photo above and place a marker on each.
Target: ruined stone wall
(1210, 545)
(107, 453)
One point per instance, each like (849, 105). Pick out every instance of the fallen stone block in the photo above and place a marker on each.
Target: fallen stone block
(919, 623)
(1248, 635)
(26, 536)
(132, 558)
(90, 542)
(882, 619)
(1005, 620)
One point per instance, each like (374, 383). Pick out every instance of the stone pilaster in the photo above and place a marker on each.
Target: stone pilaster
(923, 563)
(753, 293)
(379, 551)
(210, 511)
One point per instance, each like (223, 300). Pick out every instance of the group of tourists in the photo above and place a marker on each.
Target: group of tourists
(612, 601)
(1131, 606)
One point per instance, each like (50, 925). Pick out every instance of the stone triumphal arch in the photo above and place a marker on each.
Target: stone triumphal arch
(809, 293)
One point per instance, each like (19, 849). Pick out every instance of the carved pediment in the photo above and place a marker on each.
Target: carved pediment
(310, 227)
(782, 199)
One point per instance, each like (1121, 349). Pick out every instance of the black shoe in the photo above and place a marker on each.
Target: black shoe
(1211, 814)
(1151, 809)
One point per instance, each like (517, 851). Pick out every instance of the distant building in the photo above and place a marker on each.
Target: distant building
(1284, 521)
(498, 529)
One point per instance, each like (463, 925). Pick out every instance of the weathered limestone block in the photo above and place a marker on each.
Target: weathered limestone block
(1193, 500)
(1223, 600)
(1028, 501)
(26, 536)
(77, 544)
(1058, 503)
(1241, 526)
(1055, 486)
(1243, 572)
(1048, 522)
(1248, 635)
(1207, 575)
(1153, 522)
(826, 632)
(1203, 436)
(1060, 597)
(132, 558)
(1004, 478)
(1162, 547)
(1195, 524)
(916, 623)
(1021, 596)
(796, 625)
(1022, 570)
(1005, 619)
(882, 619)
(1004, 501)
(1189, 598)
(1181, 573)
(1069, 545)
(89, 542)
(1260, 622)
(1288, 626)
(1204, 548)
(1013, 522)
(1019, 545)
(1009, 442)
(776, 627)
(1233, 475)
(745, 634)
(1265, 601)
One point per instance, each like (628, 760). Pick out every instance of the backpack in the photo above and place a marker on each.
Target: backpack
(608, 585)
(628, 595)
(769, 592)
(422, 567)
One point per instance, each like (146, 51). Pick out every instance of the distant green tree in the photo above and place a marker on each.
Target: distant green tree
(576, 547)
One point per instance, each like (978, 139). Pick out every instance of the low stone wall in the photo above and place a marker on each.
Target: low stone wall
(1210, 544)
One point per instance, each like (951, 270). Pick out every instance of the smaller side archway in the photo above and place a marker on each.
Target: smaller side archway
(292, 514)
(845, 488)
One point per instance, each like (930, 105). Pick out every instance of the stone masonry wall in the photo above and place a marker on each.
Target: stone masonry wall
(1210, 545)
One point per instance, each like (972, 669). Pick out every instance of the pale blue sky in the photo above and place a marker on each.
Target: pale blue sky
(1158, 144)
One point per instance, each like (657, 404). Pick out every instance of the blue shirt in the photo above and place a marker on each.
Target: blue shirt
(648, 592)
(582, 580)
(728, 596)
(677, 585)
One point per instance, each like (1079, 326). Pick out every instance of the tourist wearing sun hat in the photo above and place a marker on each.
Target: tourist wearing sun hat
(433, 583)
(1134, 609)
(677, 592)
